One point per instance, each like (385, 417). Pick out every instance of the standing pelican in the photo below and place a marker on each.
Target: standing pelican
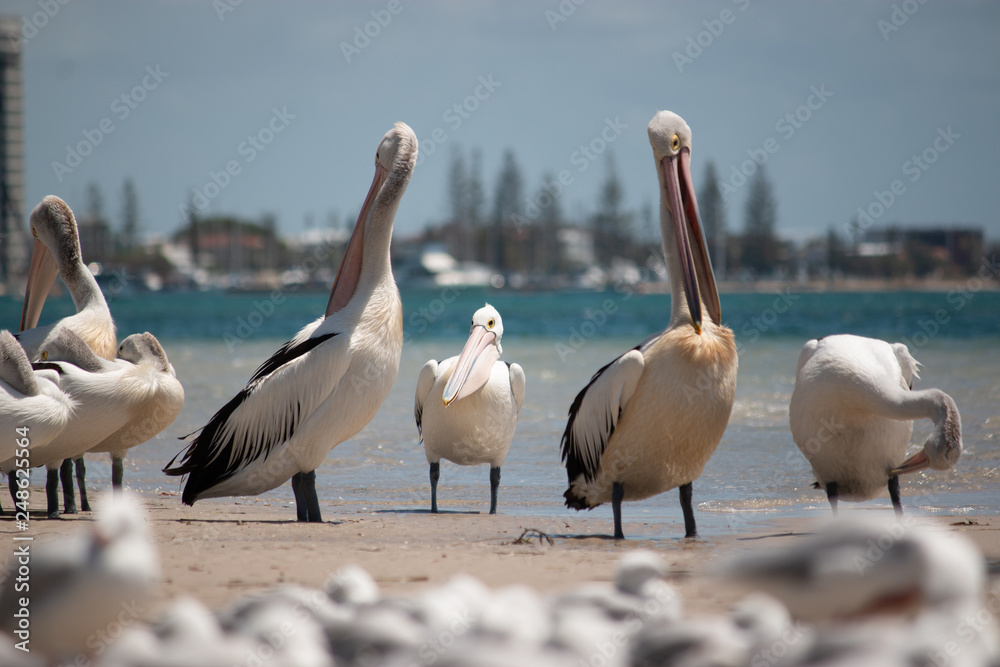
(852, 413)
(33, 410)
(107, 397)
(466, 407)
(325, 384)
(651, 419)
(57, 253)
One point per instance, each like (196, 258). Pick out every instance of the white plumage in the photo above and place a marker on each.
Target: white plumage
(325, 384)
(466, 407)
(852, 412)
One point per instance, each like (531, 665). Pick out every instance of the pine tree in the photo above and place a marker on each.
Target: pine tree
(713, 219)
(760, 246)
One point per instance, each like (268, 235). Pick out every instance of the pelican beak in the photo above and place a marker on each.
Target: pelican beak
(696, 266)
(349, 272)
(41, 275)
(474, 365)
(918, 461)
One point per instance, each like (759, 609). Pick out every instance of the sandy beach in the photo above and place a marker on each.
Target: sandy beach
(222, 550)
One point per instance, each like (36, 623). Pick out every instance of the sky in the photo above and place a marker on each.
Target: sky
(887, 108)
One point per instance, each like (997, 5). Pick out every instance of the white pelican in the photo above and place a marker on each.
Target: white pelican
(33, 409)
(325, 384)
(108, 396)
(466, 407)
(650, 420)
(57, 253)
(852, 413)
(157, 395)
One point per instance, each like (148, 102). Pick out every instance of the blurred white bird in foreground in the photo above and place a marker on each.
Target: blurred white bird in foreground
(78, 586)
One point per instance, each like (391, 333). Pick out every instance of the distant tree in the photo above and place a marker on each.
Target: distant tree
(713, 218)
(95, 203)
(506, 200)
(194, 242)
(549, 256)
(130, 215)
(611, 224)
(458, 198)
(476, 196)
(834, 252)
(760, 246)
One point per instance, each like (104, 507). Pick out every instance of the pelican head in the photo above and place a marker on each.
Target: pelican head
(144, 347)
(943, 446)
(57, 245)
(481, 351)
(683, 240)
(394, 162)
(64, 345)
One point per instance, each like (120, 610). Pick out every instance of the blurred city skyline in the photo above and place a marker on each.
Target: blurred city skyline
(889, 108)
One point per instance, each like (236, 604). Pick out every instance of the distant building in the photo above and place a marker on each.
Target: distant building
(961, 247)
(14, 250)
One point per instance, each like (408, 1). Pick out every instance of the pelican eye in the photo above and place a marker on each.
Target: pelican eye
(675, 143)
(34, 232)
(45, 355)
(491, 323)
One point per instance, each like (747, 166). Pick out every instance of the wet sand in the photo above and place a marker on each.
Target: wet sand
(221, 550)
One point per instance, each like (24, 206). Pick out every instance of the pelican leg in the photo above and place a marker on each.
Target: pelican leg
(81, 481)
(69, 496)
(894, 495)
(12, 487)
(686, 491)
(52, 493)
(301, 513)
(312, 500)
(435, 476)
(117, 475)
(617, 495)
(831, 495)
(494, 487)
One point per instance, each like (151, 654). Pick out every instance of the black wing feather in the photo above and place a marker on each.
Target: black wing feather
(576, 463)
(206, 459)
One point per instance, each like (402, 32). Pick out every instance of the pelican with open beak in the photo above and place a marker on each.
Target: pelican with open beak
(327, 382)
(466, 407)
(650, 420)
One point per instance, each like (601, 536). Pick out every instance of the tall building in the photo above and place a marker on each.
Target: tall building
(14, 251)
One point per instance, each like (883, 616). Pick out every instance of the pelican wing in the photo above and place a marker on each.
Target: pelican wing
(428, 374)
(595, 412)
(517, 384)
(283, 392)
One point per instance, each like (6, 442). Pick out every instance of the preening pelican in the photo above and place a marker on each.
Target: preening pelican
(651, 419)
(108, 396)
(33, 410)
(466, 407)
(325, 384)
(57, 253)
(852, 413)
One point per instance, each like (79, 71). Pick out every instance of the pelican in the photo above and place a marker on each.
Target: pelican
(650, 419)
(325, 384)
(852, 413)
(33, 410)
(57, 253)
(466, 407)
(152, 377)
(107, 397)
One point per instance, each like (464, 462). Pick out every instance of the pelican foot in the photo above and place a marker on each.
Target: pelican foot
(81, 482)
(686, 492)
(66, 477)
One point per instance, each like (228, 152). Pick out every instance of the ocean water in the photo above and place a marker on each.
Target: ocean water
(215, 342)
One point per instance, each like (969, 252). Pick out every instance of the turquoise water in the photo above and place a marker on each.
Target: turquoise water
(215, 341)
